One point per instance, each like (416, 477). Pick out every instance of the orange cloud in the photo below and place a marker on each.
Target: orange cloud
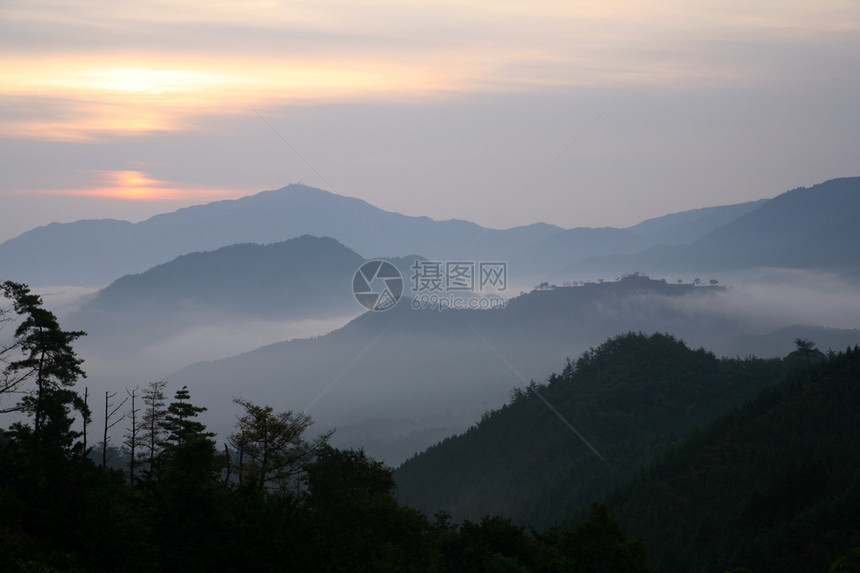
(331, 50)
(107, 96)
(137, 186)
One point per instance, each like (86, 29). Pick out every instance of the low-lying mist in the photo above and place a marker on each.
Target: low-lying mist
(794, 296)
(396, 382)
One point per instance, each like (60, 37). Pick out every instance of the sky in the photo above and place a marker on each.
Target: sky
(506, 113)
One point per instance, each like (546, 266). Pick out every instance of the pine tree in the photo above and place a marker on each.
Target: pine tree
(50, 363)
(188, 446)
(133, 438)
(180, 421)
(152, 424)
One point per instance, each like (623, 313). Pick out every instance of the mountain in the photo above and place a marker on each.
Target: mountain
(806, 228)
(546, 258)
(770, 487)
(812, 228)
(297, 277)
(96, 252)
(688, 226)
(779, 342)
(397, 381)
(303, 278)
(605, 415)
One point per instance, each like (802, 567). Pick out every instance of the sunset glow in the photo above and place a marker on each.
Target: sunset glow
(544, 46)
(105, 99)
(392, 93)
(137, 186)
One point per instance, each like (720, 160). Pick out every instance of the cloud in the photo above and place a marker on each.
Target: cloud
(91, 97)
(444, 108)
(140, 67)
(769, 298)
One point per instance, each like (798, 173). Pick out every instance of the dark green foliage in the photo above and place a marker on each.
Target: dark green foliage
(63, 512)
(357, 524)
(73, 516)
(338, 476)
(48, 354)
(270, 447)
(54, 503)
(491, 544)
(598, 545)
(153, 427)
(47, 369)
(494, 543)
(181, 423)
(849, 563)
(772, 486)
(805, 355)
(630, 398)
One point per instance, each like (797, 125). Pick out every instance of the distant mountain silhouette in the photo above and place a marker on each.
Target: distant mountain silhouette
(806, 228)
(303, 278)
(546, 259)
(96, 252)
(688, 226)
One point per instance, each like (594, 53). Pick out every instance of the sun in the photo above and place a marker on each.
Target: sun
(135, 185)
(138, 186)
(138, 80)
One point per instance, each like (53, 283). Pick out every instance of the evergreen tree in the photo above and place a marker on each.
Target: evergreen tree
(598, 544)
(805, 347)
(188, 490)
(152, 427)
(132, 437)
(181, 420)
(49, 362)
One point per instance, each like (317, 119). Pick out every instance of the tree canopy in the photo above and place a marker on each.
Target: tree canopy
(278, 500)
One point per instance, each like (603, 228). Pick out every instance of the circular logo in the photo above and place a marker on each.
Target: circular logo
(377, 285)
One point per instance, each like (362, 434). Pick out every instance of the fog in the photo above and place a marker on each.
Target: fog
(112, 372)
(768, 309)
(794, 296)
(398, 381)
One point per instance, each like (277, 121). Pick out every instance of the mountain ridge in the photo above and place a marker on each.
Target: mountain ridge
(627, 398)
(94, 252)
(775, 477)
(298, 279)
(429, 369)
(807, 227)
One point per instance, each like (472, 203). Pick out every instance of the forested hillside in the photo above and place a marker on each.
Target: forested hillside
(773, 486)
(274, 500)
(629, 399)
